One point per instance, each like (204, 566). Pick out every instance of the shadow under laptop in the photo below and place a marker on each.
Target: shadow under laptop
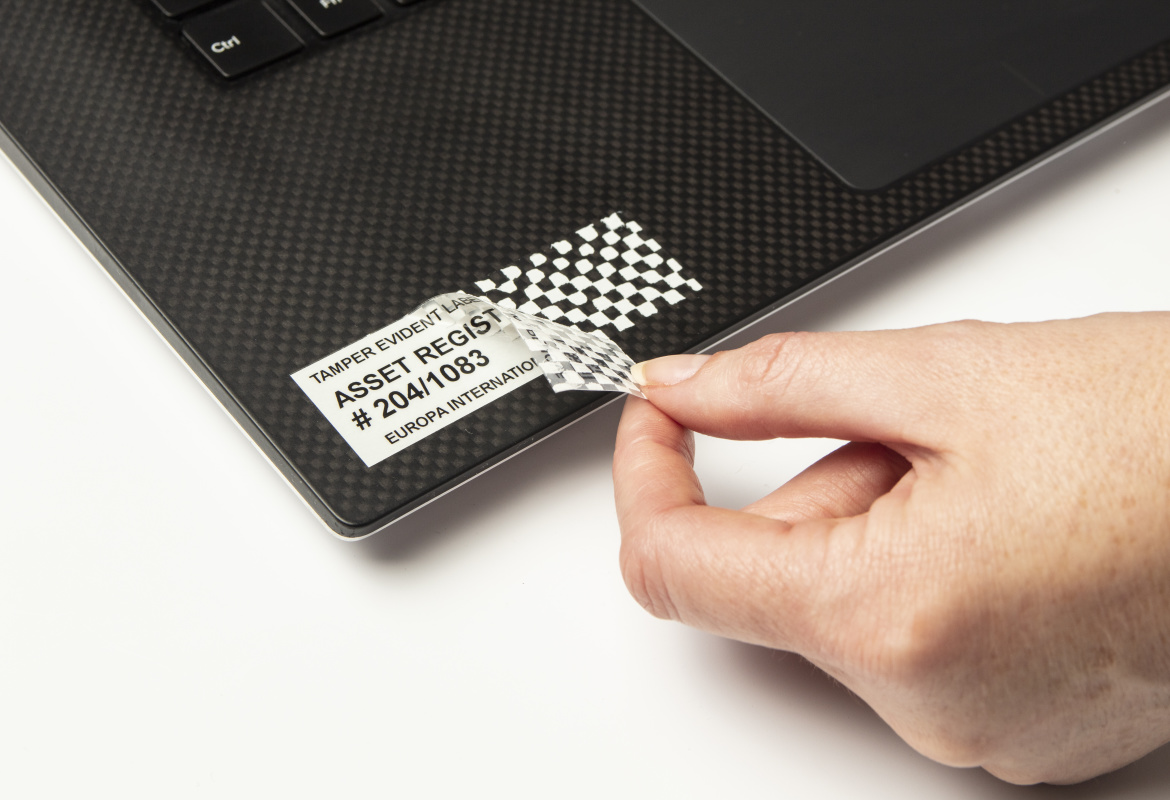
(590, 440)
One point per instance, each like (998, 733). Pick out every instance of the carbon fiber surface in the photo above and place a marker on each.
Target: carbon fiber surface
(272, 221)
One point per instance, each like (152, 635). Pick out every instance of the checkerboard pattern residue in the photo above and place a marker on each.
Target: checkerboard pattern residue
(608, 274)
(571, 359)
(575, 360)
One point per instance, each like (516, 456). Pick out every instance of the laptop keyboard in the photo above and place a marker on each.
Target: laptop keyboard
(240, 36)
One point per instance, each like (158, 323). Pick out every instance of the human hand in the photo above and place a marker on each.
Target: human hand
(987, 565)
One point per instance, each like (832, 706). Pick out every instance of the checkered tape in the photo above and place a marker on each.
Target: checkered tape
(607, 274)
(571, 359)
(575, 360)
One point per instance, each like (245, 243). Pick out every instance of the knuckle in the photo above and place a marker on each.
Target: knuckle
(643, 570)
(956, 350)
(1025, 775)
(774, 362)
(941, 344)
(925, 643)
(968, 328)
(949, 744)
(932, 655)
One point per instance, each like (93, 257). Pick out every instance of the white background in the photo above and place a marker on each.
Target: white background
(175, 623)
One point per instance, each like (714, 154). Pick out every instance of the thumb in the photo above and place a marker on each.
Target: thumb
(736, 574)
(886, 386)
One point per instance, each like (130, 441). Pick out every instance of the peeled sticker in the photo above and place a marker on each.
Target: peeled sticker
(450, 357)
(458, 352)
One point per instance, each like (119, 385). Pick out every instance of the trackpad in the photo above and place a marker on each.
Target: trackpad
(877, 91)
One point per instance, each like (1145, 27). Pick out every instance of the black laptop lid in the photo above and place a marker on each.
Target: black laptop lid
(265, 223)
(878, 90)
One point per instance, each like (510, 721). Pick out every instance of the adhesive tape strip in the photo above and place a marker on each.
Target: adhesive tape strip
(445, 360)
(571, 359)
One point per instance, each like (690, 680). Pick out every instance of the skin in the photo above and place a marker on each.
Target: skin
(987, 564)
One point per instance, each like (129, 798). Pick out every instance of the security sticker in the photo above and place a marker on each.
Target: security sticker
(444, 361)
(610, 274)
(571, 359)
(433, 367)
(458, 352)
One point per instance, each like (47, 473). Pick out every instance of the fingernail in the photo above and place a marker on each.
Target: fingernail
(667, 371)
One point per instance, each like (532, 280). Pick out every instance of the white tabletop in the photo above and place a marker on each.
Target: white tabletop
(174, 622)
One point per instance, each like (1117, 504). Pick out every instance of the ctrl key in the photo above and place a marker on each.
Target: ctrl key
(241, 37)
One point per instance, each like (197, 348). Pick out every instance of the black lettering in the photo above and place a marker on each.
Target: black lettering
(481, 325)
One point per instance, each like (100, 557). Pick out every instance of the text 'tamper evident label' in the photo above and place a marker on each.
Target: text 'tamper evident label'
(449, 358)
(418, 375)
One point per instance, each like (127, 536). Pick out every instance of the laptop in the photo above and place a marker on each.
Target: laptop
(283, 186)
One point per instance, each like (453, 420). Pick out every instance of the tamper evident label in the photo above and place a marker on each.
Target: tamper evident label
(456, 353)
(445, 361)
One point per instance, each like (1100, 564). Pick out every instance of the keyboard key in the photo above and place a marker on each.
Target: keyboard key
(177, 8)
(241, 37)
(331, 17)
